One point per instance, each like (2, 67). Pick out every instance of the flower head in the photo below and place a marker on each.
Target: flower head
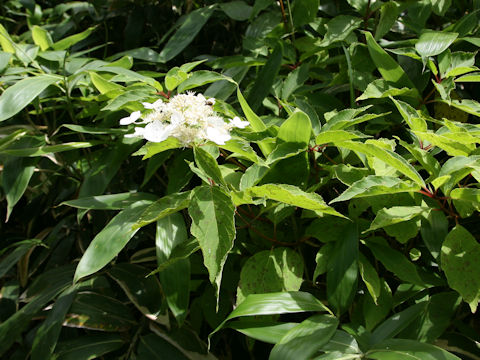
(187, 117)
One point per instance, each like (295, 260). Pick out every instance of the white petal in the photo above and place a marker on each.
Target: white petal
(236, 122)
(218, 136)
(138, 133)
(131, 119)
(177, 118)
(148, 105)
(157, 132)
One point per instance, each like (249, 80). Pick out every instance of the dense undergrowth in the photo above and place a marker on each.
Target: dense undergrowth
(341, 223)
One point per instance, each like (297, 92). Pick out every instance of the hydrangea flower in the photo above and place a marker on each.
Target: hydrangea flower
(187, 117)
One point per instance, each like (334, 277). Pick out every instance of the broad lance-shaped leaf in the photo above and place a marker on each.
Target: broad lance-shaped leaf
(328, 136)
(380, 89)
(208, 165)
(109, 202)
(17, 96)
(432, 43)
(408, 349)
(267, 331)
(388, 67)
(162, 207)
(459, 260)
(376, 185)
(212, 212)
(396, 214)
(305, 339)
(275, 303)
(296, 129)
(50, 149)
(111, 240)
(293, 195)
(342, 270)
(389, 157)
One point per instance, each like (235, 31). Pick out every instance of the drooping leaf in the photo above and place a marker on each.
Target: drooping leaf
(342, 270)
(102, 250)
(266, 331)
(432, 43)
(408, 349)
(292, 195)
(397, 214)
(212, 214)
(460, 252)
(189, 28)
(275, 270)
(18, 96)
(302, 341)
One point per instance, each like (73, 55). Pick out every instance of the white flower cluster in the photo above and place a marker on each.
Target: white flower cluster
(186, 117)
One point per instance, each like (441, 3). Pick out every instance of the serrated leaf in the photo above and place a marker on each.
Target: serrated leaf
(162, 207)
(208, 165)
(460, 253)
(376, 185)
(275, 270)
(432, 43)
(212, 213)
(395, 215)
(389, 157)
(293, 195)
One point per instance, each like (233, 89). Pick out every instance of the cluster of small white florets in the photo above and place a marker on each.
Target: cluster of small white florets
(187, 117)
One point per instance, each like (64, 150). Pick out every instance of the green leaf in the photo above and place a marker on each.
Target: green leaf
(241, 149)
(375, 310)
(72, 40)
(163, 207)
(212, 213)
(43, 289)
(237, 10)
(434, 229)
(153, 347)
(440, 7)
(279, 269)
(21, 248)
(200, 78)
(275, 303)
(467, 105)
(395, 262)
(47, 334)
(396, 349)
(432, 43)
(450, 144)
(208, 165)
(292, 195)
(17, 96)
(180, 252)
(267, 331)
(329, 136)
(93, 129)
(369, 276)
(88, 347)
(102, 250)
(103, 85)
(380, 88)
(144, 292)
(302, 341)
(396, 323)
(376, 185)
(397, 214)
(388, 67)
(175, 76)
(265, 79)
(50, 149)
(460, 252)
(256, 123)
(342, 270)
(152, 148)
(411, 116)
(294, 80)
(6, 41)
(339, 29)
(189, 28)
(16, 175)
(296, 129)
(175, 280)
(91, 310)
(389, 157)
(388, 15)
(41, 37)
(109, 202)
